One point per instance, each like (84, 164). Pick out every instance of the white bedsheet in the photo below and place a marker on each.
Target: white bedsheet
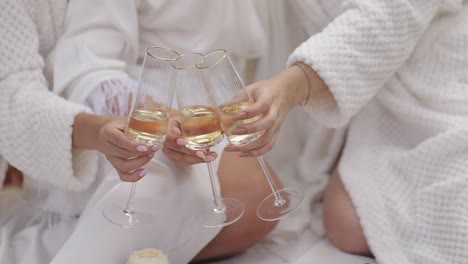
(319, 252)
(324, 252)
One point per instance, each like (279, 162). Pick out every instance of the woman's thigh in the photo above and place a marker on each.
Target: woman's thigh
(340, 219)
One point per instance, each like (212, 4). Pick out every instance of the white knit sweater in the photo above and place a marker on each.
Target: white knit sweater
(36, 125)
(398, 71)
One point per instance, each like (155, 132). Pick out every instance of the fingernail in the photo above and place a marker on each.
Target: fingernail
(156, 147)
(209, 159)
(151, 155)
(240, 130)
(142, 148)
(240, 115)
(142, 173)
(200, 154)
(181, 141)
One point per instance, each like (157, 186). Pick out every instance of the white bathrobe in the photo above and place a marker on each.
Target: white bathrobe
(36, 125)
(398, 71)
(35, 136)
(401, 226)
(103, 39)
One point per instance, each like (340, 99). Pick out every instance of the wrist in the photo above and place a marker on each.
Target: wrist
(295, 81)
(86, 128)
(310, 87)
(304, 83)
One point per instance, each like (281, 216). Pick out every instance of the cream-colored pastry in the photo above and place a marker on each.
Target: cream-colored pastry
(148, 256)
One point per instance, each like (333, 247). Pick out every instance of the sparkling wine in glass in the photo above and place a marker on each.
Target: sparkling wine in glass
(148, 126)
(201, 128)
(226, 90)
(147, 123)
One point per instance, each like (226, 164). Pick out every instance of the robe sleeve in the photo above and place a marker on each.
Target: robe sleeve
(36, 125)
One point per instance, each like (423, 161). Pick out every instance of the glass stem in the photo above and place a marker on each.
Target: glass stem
(278, 199)
(219, 207)
(130, 207)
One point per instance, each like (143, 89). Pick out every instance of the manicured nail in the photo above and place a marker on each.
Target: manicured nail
(142, 173)
(200, 154)
(142, 148)
(209, 159)
(240, 130)
(151, 155)
(181, 141)
(156, 147)
(240, 115)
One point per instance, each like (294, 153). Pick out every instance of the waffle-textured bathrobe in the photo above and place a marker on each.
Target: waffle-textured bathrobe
(35, 124)
(398, 71)
(36, 137)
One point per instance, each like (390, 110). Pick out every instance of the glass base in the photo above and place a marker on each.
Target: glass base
(207, 145)
(284, 203)
(231, 211)
(240, 140)
(148, 142)
(117, 215)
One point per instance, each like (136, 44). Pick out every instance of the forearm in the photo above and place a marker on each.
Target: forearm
(86, 130)
(303, 85)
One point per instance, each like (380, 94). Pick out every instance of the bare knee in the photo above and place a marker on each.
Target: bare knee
(341, 221)
(243, 179)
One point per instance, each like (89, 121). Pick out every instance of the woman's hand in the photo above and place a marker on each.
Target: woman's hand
(273, 99)
(174, 148)
(106, 135)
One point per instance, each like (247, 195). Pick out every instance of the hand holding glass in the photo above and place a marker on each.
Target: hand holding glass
(147, 123)
(226, 90)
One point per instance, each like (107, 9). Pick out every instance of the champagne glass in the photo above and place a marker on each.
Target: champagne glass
(147, 123)
(201, 128)
(227, 92)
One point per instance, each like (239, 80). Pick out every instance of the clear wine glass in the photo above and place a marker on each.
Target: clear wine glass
(201, 128)
(226, 90)
(147, 123)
